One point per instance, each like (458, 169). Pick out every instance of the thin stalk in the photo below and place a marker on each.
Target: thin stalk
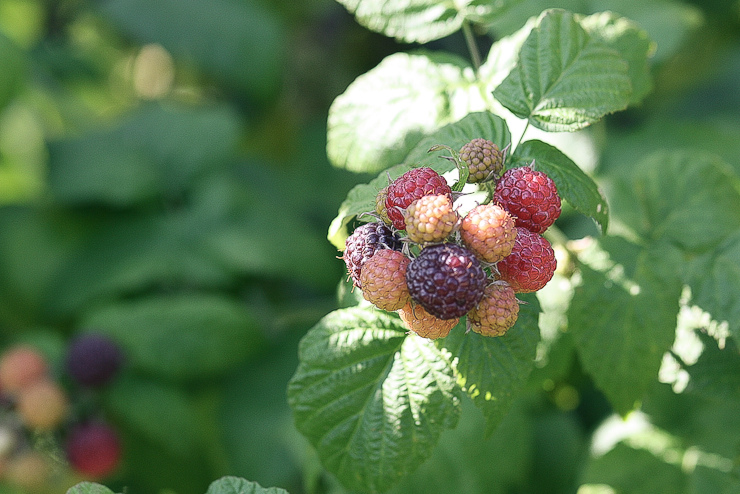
(472, 46)
(521, 137)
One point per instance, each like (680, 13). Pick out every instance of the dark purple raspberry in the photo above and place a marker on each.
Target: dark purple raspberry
(364, 242)
(447, 280)
(93, 359)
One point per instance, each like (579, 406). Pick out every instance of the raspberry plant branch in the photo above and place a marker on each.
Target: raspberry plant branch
(472, 45)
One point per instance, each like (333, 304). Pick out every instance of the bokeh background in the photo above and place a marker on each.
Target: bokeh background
(164, 180)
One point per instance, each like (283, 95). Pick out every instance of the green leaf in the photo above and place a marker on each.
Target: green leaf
(162, 414)
(631, 41)
(13, 62)
(573, 184)
(89, 488)
(623, 316)
(716, 374)
(565, 79)
(715, 283)
(181, 336)
(634, 471)
(472, 126)
(420, 21)
(372, 400)
(386, 111)
(236, 485)
(251, 49)
(153, 152)
(493, 371)
(690, 198)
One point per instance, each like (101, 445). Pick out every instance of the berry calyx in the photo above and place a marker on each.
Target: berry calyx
(412, 185)
(430, 219)
(488, 231)
(93, 449)
(93, 359)
(383, 280)
(484, 160)
(364, 242)
(21, 366)
(497, 311)
(446, 279)
(530, 196)
(424, 324)
(531, 263)
(42, 405)
(380, 208)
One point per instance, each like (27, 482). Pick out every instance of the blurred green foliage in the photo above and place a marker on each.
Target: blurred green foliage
(163, 178)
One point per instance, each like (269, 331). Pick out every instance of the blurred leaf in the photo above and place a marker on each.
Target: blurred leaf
(160, 413)
(634, 471)
(565, 79)
(156, 151)
(465, 463)
(180, 337)
(421, 21)
(715, 280)
(716, 374)
(250, 50)
(573, 184)
(12, 75)
(690, 198)
(89, 488)
(632, 43)
(493, 371)
(418, 93)
(504, 53)
(629, 309)
(371, 399)
(236, 485)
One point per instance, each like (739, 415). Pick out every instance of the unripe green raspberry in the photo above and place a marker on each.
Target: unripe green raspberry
(430, 219)
(488, 231)
(497, 311)
(421, 322)
(383, 280)
(484, 160)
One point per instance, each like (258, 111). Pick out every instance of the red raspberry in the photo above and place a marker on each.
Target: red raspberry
(424, 324)
(364, 242)
(430, 219)
(446, 279)
(410, 186)
(483, 158)
(531, 263)
(488, 230)
(530, 196)
(93, 449)
(497, 311)
(383, 280)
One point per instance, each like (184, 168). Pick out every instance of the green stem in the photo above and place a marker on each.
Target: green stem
(521, 137)
(472, 46)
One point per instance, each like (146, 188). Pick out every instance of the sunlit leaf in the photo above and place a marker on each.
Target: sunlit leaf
(565, 79)
(371, 399)
(623, 316)
(236, 485)
(418, 93)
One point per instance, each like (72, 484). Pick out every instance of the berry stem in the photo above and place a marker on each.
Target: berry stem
(472, 46)
(521, 137)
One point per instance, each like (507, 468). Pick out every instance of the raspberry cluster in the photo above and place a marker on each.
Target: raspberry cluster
(433, 265)
(37, 400)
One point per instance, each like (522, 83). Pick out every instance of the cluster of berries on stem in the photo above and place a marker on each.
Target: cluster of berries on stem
(434, 265)
(57, 402)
